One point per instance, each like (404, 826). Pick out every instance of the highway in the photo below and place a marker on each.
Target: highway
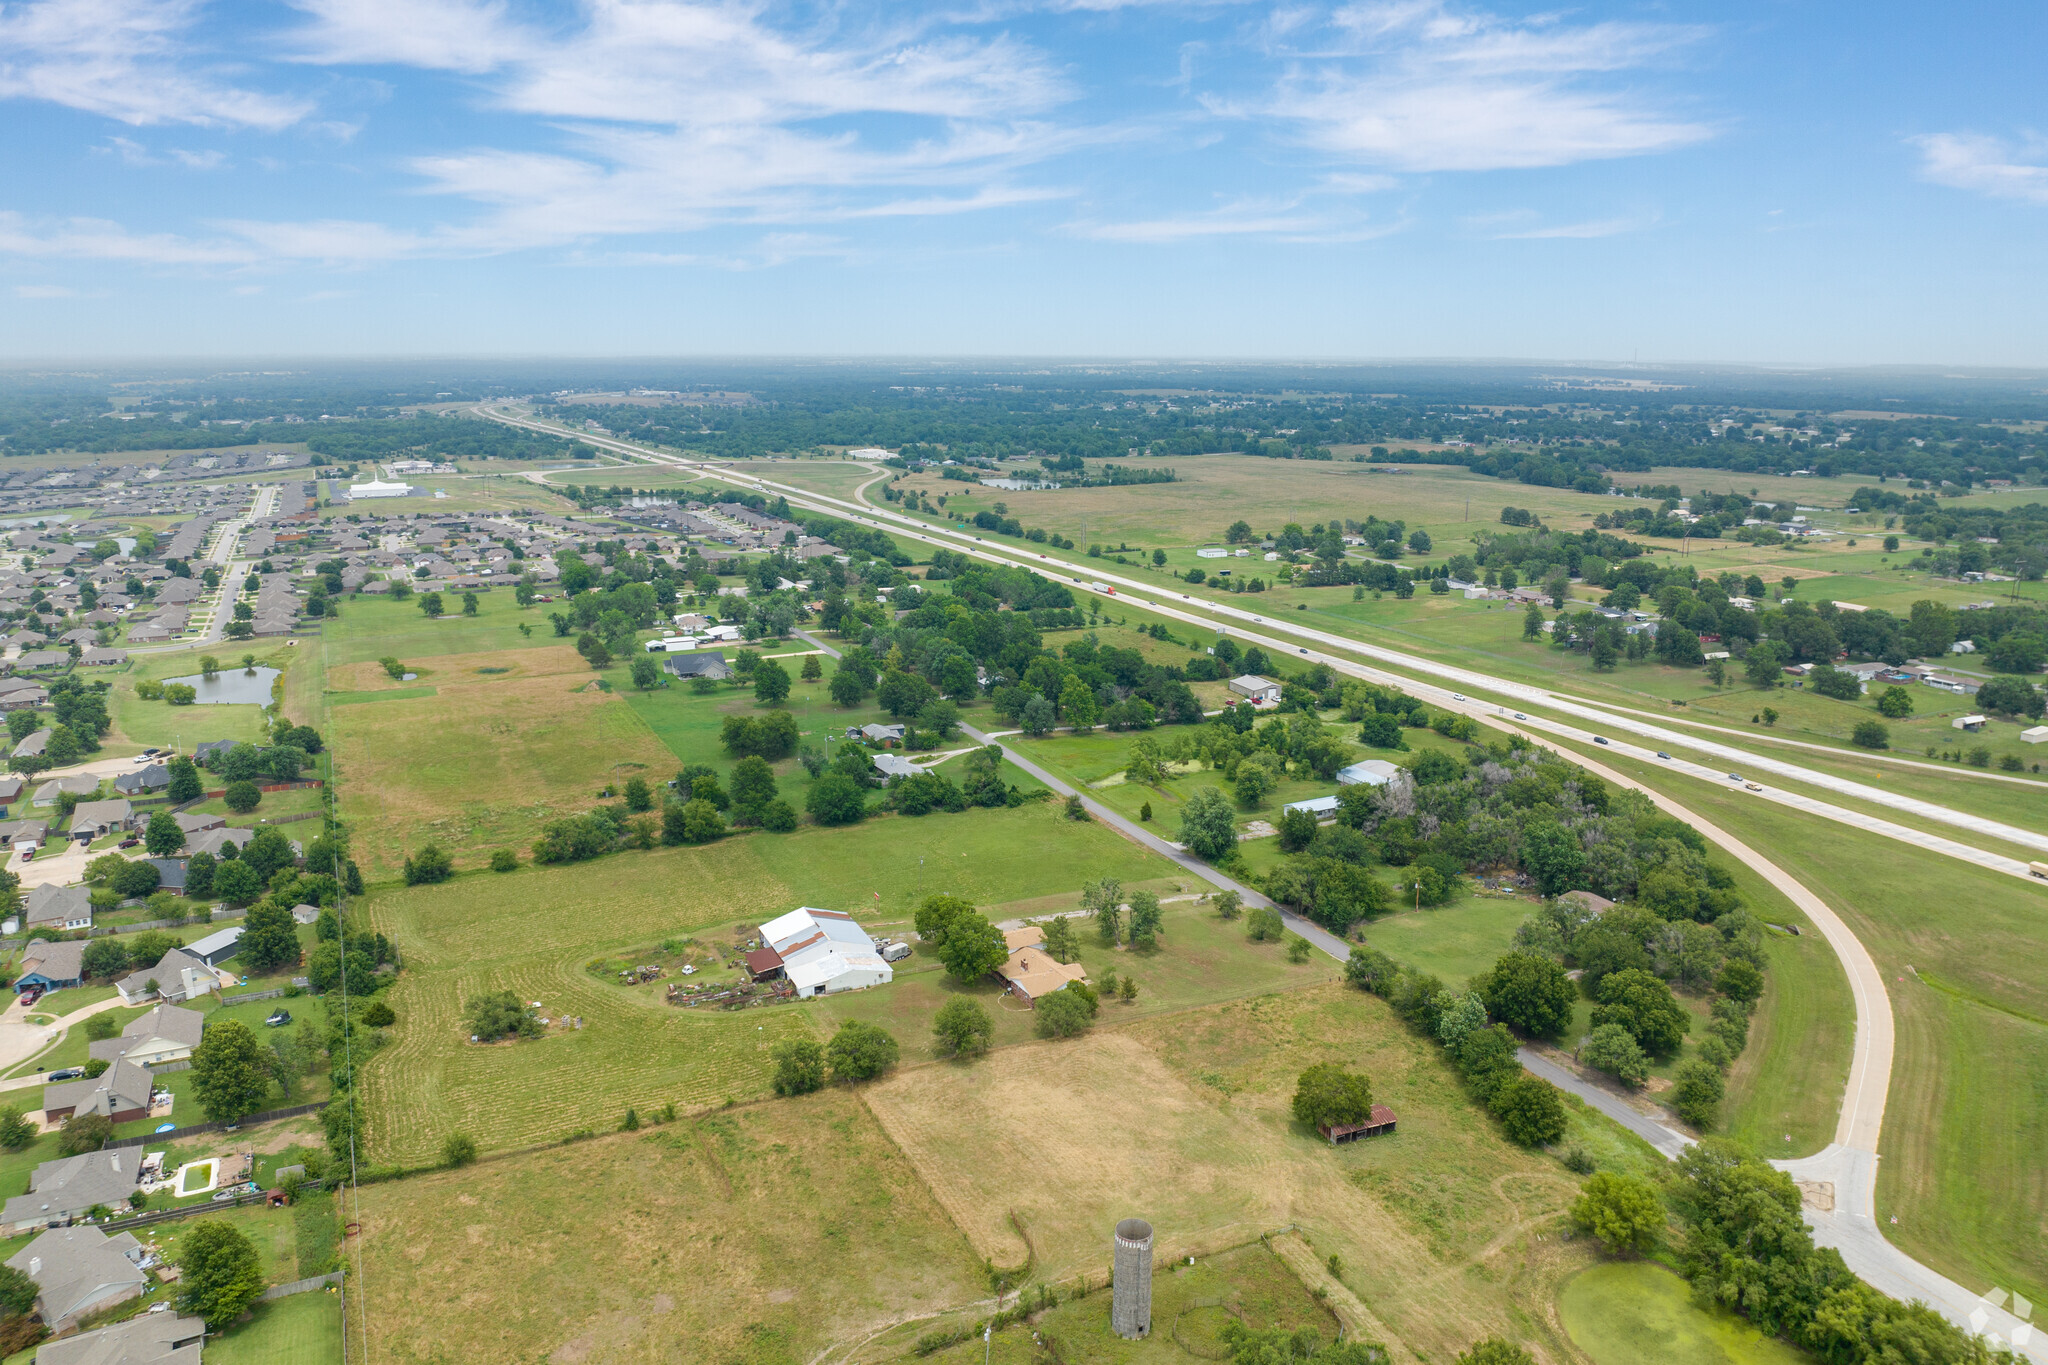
(1203, 613)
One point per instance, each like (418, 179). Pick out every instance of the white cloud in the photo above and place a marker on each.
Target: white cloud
(93, 239)
(43, 291)
(1421, 86)
(129, 60)
(1281, 220)
(1988, 165)
(1521, 226)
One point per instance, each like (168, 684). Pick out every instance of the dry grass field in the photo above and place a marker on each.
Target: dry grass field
(483, 761)
(760, 1235)
(1183, 1120)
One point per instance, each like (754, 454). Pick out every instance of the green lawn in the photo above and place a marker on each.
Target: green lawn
(304, 1329)
(1627, 1312)
(1457, 941)
(142, 723)
(536, 930)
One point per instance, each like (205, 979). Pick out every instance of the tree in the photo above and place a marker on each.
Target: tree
(242, 797)
(499, 1014)
(771, 683)
(698, 820)
(973, 947)
(1254, 784)
(1740, 980)
(230, 1071)
(961, 1028)
(753, 787)
(860, 1051)
(1530, 1110)
(1552, 855)
(812, 670)
(1264, 925)
(469, 604)
(84, 1133)
(1871, 734)
(199, 870)
(1623, 1211)
(1696, 1090)
(1078, 707)
(378, 1014)
(1495, 1351)
(458, 1150)
(1832, 682)
(163, 836)
(904, 694)
(936, 915)
(235, 882)
(1529, 992)
(219, 1274)
(2010, 696)
(1326, 1095)
(430, 603)
(1145, 919)
(16, 1132)
(104, 958)
(835, 799)
(646, 674)
(1064, 1013)
(1207, 825)
(799, 1066)
(1613, 1049)
(1762, 665)
(846, 688)
(270, 938)
(1643, 1005)
(431, 864)
(639, 796)
(1895, 703)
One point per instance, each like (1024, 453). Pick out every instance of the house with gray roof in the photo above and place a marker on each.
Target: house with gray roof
(80, 785)
(707, 663)
(80, 1270)
(59, 907)
(178, 976)
(150, 1339)
(120, 1093)
(96, 819)
(154, 777)
(51, 966)
(33, 745)
(165, 1034)
(62, 1189)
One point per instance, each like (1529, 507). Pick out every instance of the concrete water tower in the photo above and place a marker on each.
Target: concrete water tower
(1130, 1304)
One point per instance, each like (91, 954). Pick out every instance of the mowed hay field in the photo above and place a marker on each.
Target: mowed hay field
(481, 761)
(760, 1235)
(1184, 1121)
(534, 932)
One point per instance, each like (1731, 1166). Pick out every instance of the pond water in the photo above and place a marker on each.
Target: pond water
(232, 685)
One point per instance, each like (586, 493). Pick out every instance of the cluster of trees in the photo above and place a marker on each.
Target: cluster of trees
(1529, 1108)
(857, 1051)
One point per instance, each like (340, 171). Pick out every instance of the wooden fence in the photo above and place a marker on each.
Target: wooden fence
(306, 1286)
(246, 996)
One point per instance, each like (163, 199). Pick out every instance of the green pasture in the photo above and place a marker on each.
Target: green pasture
(1625, 1312)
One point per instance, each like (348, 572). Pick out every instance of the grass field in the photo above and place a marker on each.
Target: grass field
(142, 723)
(304, 1329)
(1624, 1312)
(486, 760)
(1961, 952)
(1186, 1124)
(761, 1235)
(535, 930)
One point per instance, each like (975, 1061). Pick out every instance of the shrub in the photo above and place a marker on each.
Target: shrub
(1530, 1110)
(1623, 1211)
(860, 1051)
(499, 1014)
(504, 860)
(1530, 993)
(431, 864)
(242, 797)
(1327, 1095)
(1871, 734)
(377, 1014)
(1263, 925)
(1495, 1350)
(458, 1150)
(1696, 1091)
(799, 1066)
(1063, 1014)
(962, 1027)
(1613, 1049)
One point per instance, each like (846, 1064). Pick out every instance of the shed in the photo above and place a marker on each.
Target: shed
(1373, 772)
(1258, 691)
(1318, 806)
(1971, 723)
(1382, 1121)
(217, 948)
(764, 963)
(2035, 735)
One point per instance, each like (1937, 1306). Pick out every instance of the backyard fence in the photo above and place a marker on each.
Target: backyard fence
(177, 1134)
(166, 1068)
(246, 996)
(272, 787)
(283, 1291)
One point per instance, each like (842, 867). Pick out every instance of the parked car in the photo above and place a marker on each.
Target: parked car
(31, 995)
(129, 842)
(69, 1073)
(28, 855)
(279, 1018)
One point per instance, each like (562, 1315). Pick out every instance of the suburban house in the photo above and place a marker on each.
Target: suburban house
(893, 766)
(59, 907)
(23, 835)
(170, 873)
(1031, 973)
(151, 1339)
(178, 976)
(77, 784)
(62, 1189)
(97, 819)
(33, 745)
(50, 966)
(11, 788)
(703, 663)
(212, 841)
(78, 1270)
(1587, 901)
(878, 734)
(192, 823)
(822, 952)
(154, 778)
(121, 1092)
(165, 1034)
(218, 946)
(1376, 772)
(100, 657)
(1256, 690)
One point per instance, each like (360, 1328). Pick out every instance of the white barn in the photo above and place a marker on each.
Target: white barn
(824, 952)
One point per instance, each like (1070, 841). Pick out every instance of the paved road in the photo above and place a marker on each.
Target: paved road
(1668, 1141)
(1204, 612)
(21, 1041)
(1850, 1163)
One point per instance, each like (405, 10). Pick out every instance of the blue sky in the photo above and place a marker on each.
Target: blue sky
(1733, 182)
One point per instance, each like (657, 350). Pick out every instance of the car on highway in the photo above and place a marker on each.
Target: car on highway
(1457, 696)
(1304, 651)
(1752, 786)
(1661, 754)
(1735, 777)
(1520, 716)
(1599, 739)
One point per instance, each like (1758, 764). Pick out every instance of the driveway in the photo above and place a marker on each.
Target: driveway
(20, 1040)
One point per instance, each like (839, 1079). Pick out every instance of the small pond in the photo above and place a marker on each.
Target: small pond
(232, 685)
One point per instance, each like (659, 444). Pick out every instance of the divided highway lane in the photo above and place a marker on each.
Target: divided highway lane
(1187, 608)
